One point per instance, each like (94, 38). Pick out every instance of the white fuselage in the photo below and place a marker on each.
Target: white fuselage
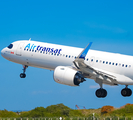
(49, 56)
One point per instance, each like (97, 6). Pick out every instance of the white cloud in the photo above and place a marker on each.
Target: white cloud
(105, 27)
(41, 92)
(49, 92)
(94, 86)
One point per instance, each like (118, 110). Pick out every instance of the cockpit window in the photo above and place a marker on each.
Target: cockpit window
(10, 46)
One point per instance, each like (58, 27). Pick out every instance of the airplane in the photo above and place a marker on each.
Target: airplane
(72, 65)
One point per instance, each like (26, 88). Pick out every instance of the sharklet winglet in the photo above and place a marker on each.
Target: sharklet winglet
(83, 54)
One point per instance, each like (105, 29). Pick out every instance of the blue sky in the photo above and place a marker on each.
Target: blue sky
(108, 24)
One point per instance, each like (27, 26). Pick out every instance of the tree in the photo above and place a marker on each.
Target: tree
(107, 109)
(5, 113)
(37, 112)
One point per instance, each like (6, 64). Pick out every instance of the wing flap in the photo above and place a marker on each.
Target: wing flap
(84, 68)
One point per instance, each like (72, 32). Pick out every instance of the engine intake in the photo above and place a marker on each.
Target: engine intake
(67, 76)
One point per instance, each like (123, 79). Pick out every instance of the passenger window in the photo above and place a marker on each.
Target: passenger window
(87, 59)
(32, 50)
(106, 62)
(91, 60)
(126, 66)
(96, 60)
(69, 56)
(51, 53)
(112, 63)
(24, 48)
(109, 63)
(129, 66)
(122, 65)
(27, 49)
(103, 62)
(10, 46)
(116, 64)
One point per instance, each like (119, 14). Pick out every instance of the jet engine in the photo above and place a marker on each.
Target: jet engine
(68, 76)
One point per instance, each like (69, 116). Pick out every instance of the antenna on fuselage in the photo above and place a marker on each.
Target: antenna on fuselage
(30, 39)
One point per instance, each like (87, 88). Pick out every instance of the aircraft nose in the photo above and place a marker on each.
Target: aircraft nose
(2, 52)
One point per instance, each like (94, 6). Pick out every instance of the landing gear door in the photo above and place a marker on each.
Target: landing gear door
(19, 49)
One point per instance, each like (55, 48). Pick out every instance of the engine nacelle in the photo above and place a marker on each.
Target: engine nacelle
(67, 76)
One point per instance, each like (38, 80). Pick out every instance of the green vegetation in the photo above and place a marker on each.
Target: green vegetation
(61, 110)
(5, 113)
(126, 111)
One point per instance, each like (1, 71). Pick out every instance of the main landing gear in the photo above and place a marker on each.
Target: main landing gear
(126, 92)
(101, 93)
(23, 75)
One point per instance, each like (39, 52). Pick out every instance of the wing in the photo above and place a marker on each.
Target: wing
(91, 72)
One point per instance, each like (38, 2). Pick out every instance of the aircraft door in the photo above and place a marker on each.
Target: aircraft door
(19, 49)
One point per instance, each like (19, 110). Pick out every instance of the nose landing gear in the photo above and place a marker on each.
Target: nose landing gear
(23, 75)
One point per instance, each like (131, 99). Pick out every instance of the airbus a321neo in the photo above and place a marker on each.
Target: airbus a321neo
(72, 65)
